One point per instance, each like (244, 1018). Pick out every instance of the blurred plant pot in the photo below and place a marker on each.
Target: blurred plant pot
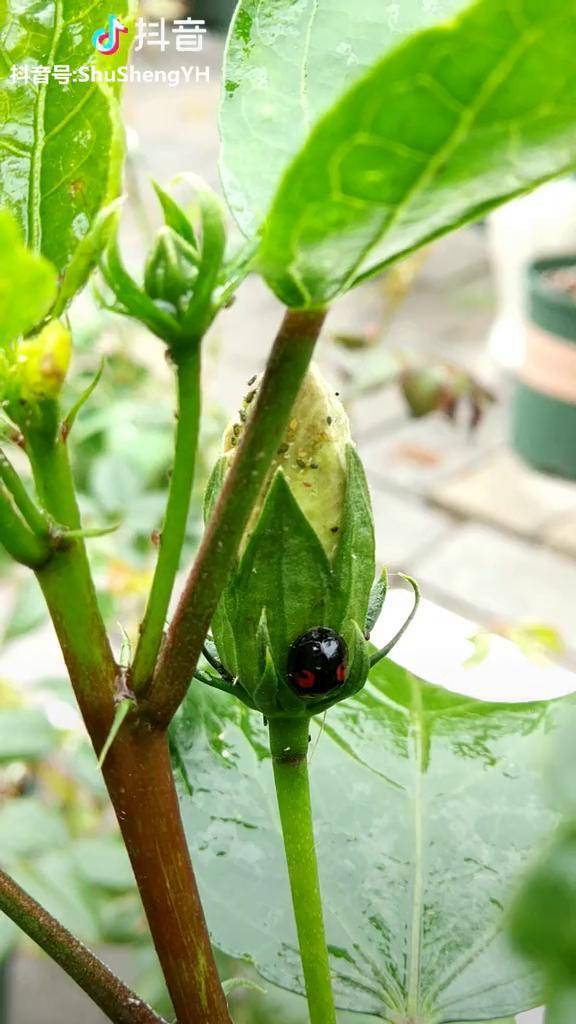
(540, 224)
(544, 408)
(216, 13)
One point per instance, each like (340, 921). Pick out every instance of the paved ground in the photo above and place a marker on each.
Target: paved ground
(484, 534)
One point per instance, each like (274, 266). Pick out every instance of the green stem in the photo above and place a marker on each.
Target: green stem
(36, 520)
(174, 529)
(286, 368)
(116, 1000)
(69, 590)
(289, 748)
(19, 541)
(137, 768)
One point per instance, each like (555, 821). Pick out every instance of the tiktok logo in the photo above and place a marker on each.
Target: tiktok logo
(107, 40)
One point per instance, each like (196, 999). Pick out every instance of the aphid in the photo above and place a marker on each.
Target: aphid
(317, 662)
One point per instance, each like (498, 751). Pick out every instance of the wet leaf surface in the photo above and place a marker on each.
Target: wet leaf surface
(428, 805)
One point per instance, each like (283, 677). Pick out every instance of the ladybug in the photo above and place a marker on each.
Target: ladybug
(317, 662)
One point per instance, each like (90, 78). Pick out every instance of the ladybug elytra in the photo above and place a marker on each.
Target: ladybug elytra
(317, 662)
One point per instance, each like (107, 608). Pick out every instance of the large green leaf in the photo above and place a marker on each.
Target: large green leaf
(542, 922)
(60, 145)
(427, 805)
(287, 62)
(26, 735)
(27, 283)
(456, 120)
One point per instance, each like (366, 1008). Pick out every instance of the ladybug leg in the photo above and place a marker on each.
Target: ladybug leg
(392, 643)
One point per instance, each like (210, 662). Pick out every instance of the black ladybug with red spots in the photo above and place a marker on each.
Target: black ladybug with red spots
(317, 663)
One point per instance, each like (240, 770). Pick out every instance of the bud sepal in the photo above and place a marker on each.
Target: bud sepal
(284, 585)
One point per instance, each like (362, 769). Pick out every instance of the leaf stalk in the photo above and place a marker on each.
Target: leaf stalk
(285, 371)
(115, 999)
(177, 509)
(289, 748)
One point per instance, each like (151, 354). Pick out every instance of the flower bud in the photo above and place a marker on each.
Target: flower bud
(171, 270)
(37, 366)
(290, 624)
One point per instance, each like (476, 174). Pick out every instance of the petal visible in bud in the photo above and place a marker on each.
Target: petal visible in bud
(312, 456)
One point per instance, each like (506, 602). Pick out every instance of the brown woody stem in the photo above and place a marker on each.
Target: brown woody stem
(114, 998)
(137, 769)
(286, 368)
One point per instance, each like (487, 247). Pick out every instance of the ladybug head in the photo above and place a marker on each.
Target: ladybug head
(317, 663)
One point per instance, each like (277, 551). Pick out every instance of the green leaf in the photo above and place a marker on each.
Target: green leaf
(287, 62)
(561, 1007)
(28, 611)
(28, 829)
(376, 602)
(121, 710)
(60, 145)
(103, 862)
(231, 985)
(25, 735)
(459, 119)
(543, 922)
(52, 881)
(27, 283)
(87, 255)
(8, 936)
(428, 804)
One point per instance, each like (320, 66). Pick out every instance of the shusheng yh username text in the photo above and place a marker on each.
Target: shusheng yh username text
(191, 73)
(64, 74)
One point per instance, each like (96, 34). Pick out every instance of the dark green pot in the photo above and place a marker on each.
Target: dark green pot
(216, 13)
(543, 414)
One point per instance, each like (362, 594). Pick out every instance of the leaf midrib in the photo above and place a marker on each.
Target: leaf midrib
(460, 132)
(35, 193)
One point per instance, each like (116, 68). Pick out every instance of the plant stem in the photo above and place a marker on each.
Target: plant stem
(69, 591)
(29, 511)
(16, 536)
(289, 748)
(115, 999)
(137, 768)
(139, 776)
(174, 529)
(286, 368)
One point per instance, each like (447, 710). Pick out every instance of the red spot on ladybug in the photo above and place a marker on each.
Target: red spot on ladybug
(317, 662)
(305, 680)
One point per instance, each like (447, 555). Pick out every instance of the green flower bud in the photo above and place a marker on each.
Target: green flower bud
(306, 564)
(33, 370)
(171, 269)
